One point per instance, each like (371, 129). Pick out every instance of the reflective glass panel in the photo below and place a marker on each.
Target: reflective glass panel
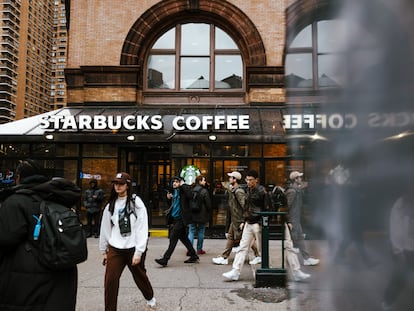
(195, 39)
(166, 41)
(299, 70)
(195, 74)
(224, 41)
(303, 38)
(228, 72)
(331, 35)
(330, 72)
(161, 72)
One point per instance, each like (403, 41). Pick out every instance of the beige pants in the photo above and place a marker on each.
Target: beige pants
(291, 253)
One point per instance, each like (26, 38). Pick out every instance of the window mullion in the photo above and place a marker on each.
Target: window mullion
(212, 57)
(178, 57)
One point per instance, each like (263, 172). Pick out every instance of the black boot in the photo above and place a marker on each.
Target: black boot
(161, 261)
(192, 259)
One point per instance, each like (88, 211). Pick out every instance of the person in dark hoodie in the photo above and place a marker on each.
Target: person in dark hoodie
(24, 283)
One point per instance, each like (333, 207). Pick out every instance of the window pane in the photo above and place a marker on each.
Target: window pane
(161, 72)
(330, 72)
(224, 41)
(195, 73)
(331, 35)
(195, 39)
(228, 72)
(303, 39)
(166, 41)
(299, 70)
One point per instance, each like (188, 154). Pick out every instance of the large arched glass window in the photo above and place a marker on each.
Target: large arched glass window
(194, 57)
(315, 58)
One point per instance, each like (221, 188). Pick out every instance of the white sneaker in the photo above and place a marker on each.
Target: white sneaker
(255, 261)
(298, 275)
(235, 249)
(151, 304)
(232, 275)
(220, 260)
(311, 262)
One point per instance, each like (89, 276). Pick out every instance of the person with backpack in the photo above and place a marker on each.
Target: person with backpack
(26, 283)
(257, 200)
(234, 219)
(200, 212)
(123, 241)
(94, 197)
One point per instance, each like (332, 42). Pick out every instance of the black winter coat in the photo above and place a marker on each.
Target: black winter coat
(25, 284)
(202, 216)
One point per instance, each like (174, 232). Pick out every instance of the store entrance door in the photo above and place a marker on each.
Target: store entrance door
(150, 168)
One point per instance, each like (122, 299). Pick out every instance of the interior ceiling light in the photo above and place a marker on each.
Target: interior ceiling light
(131, 137)
(49, 136)
(212, 137)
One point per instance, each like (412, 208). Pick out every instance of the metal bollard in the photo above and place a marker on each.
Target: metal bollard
(266, 276)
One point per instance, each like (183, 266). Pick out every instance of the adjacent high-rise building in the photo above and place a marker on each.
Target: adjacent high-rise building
(32, 57)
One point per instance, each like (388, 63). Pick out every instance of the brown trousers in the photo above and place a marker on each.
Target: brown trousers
(117, 259)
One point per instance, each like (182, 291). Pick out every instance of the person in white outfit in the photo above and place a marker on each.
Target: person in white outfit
(123, 241)
(292, 258)
(257, 200)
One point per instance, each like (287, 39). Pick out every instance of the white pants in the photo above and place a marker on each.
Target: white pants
(291, 256)
(250, 233)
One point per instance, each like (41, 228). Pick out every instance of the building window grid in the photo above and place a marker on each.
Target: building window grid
(179, 56)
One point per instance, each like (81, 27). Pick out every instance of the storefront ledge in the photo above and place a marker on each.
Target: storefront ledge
(163, 233)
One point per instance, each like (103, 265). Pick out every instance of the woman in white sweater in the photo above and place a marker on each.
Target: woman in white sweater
(123, 241)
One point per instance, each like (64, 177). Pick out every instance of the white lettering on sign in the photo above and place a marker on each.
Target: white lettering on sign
(145, 122)
(312, 121)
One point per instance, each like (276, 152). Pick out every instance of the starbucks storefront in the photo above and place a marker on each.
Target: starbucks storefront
(153, 144)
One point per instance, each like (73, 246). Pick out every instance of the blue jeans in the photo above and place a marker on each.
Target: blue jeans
(201, 228)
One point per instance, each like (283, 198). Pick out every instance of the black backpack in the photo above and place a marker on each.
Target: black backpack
(59, 238)
(278, 198)
(196, 201)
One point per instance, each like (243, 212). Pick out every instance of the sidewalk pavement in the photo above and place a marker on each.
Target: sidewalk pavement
(334, 286)
(181, 286)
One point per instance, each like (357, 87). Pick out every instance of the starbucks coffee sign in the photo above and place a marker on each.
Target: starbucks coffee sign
(145, 122)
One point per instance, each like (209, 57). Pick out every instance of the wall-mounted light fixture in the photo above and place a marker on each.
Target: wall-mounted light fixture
(49, 136)
(212, 137)
(131, 137)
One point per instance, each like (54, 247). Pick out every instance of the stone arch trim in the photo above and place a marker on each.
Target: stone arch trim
(303, 12)
(166, 14)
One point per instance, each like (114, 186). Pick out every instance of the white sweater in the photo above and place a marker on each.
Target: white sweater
(111, 235)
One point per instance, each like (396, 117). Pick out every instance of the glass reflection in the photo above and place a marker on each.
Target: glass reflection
(166, 41)
(195, 39)
(195, 73)
(224, 41)
(228, 72)
(299, 70)
(161, 71)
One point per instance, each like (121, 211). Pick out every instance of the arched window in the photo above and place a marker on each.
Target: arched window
(315, 58)
(194, 57)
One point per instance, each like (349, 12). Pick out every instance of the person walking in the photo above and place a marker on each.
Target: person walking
(200, 217)
(123, 241)
(179, 216)
(234, 219)
(25, 284)
(294, 195)
(257, 200)
(94, 197)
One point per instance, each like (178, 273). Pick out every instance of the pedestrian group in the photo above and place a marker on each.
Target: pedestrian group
(122, 229)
